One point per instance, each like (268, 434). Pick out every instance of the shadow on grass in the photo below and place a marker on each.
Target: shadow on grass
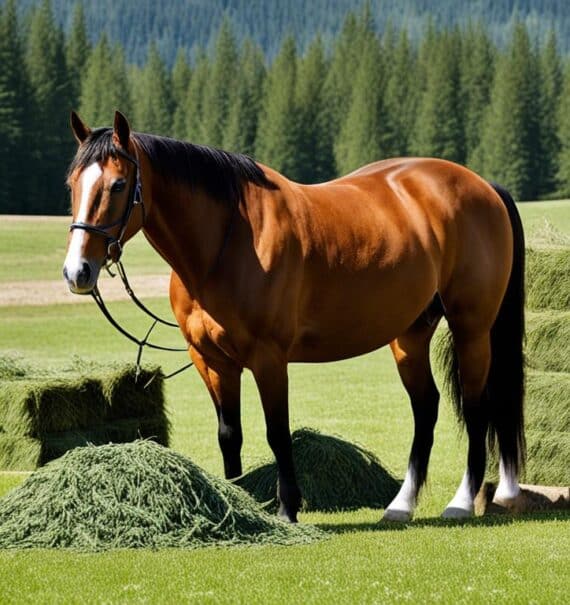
(438, 522)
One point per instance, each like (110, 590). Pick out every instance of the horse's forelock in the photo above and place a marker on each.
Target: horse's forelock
(97, 147)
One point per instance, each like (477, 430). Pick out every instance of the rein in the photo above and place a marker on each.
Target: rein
(114, 253)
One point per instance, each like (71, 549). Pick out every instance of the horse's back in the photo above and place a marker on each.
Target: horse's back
(382, 241)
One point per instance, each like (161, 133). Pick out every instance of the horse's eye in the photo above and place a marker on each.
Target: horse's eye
(118, 186)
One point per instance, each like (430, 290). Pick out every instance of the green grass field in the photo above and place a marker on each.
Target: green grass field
(496, 560)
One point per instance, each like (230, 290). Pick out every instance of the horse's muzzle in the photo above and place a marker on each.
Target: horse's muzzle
(80, 278)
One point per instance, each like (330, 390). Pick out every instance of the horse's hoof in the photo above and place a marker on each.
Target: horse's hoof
(287, 516)
(401, 516)
(454, 512)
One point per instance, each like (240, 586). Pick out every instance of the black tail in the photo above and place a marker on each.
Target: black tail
(505, 384)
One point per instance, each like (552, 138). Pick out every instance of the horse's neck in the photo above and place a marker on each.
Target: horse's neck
(187, 229)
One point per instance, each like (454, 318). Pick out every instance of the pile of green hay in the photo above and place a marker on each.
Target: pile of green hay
(333, 475)
(548, 278)
(44, 413)
(135, 495)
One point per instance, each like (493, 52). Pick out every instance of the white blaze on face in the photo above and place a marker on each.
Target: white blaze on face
(74, 260)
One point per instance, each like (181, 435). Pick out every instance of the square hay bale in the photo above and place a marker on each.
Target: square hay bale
(548, 401)
(128, 396)
(44, 414)
(547, 341)
(36, 406)
(19, 453)
(548, 457)
(548, 278)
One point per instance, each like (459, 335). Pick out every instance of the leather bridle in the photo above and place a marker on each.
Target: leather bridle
(114, 244)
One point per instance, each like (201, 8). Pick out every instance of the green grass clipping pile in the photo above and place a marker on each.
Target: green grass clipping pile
(135, 495)
(333, 475)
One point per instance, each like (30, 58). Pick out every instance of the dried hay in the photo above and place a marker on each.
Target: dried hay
(547, 235)
(548, 341)
(548, 278)
(43, 413)
(548, 459)
(547, 404)
(333, 475)
(137, 495)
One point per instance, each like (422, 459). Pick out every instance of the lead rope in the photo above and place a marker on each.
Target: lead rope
(96, 295)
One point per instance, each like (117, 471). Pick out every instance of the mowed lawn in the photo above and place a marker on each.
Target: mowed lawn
(484, 560)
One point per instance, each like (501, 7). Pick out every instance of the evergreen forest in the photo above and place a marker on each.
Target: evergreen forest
(312, 111)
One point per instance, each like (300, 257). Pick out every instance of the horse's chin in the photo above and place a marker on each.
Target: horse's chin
(82, 291)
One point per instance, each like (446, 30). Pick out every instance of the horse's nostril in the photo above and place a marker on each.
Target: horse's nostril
(84, 274)
(65, 274)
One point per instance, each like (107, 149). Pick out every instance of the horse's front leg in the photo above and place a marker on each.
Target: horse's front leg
(222, 378)
(270, 372)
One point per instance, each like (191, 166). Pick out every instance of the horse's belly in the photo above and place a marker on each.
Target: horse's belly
(338, 329)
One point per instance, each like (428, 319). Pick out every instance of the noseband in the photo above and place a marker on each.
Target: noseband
(115, 244)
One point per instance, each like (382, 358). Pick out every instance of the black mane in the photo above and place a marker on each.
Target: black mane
(222, 174)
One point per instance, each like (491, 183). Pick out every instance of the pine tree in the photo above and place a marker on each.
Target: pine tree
(219, 88)
(315, 153)
(194, 101)
(105, 86)
(181, 74)
(243, 116)
(277, 139)
(15, 112)
(438, 129)
(344, 64)
(154, 104)
(550, 86)
(477, 69)
(509, 148)
(361, 139)
(564, 136)
(52, 99)
(77, 51)
(400, 98)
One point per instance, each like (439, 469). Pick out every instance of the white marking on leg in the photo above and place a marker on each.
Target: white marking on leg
(402, 506)
(74, 259)
(508, 488)
(462, 504)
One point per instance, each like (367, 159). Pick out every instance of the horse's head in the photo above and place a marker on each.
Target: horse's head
(104, 180)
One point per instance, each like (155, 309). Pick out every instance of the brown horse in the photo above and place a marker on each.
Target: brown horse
(267, 271)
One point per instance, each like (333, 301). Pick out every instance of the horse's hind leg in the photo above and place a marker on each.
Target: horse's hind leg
(222, 378)
(411, 352)
(474, 356)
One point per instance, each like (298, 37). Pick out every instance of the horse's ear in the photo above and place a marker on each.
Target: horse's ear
(80, 130)
(121, 131)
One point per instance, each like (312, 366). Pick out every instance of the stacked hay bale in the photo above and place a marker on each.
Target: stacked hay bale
(44, 413)
(548, 359)
(135, 495)
(333, 475)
